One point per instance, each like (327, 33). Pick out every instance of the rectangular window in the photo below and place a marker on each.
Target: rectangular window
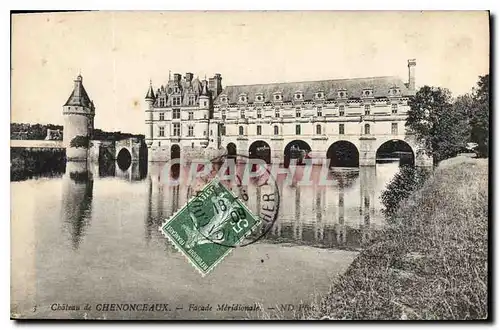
(341, 129)
(276, 130)
(297, 129)
(259, 130)
(190, 115)
(367, 110)
(176, 113)
(161, 132)
(242, 114)
(177, 129)
(222, 130)
(320, 112)
(259, 113)
(223, 114)
(190, 130)
(394, 108)
(297, 113)
(162, 102)
(162, 116)
(394, 128)
(176, 100)
(191, 100)
(341, 110)
(277, 113)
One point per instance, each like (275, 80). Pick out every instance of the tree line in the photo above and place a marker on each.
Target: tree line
(446, 126)
(20, 131)
(31, 131)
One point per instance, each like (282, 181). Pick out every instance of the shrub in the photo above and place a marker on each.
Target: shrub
(406, 181)
(80, 141)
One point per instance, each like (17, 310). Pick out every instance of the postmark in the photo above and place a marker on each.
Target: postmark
(207, 235)
(253, 184)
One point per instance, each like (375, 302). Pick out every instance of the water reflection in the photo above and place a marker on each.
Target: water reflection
(78, 184)
(344, 214)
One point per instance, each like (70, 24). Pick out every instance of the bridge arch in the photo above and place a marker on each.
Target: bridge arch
(124, 158)
(343, 153)
(296, 149)
(175, 151)
(396, 149)
(231, 150)
(260, 149)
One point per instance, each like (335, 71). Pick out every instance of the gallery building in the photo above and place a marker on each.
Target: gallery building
(350, 122)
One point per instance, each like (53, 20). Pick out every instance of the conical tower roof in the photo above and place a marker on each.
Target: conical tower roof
(204, 90)
(150, 94)
(79, 95)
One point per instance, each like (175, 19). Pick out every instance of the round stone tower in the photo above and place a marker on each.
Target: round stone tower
(78, 114)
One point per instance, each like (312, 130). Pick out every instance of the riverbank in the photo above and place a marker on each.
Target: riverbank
(431, 263)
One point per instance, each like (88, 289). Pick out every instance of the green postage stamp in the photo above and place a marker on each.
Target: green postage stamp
(209, 226)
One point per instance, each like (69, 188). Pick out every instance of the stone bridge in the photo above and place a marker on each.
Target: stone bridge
(360, 150)
(37, 144)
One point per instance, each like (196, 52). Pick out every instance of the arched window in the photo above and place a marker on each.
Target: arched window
(318, 129)
(367, 128)
(276, 130)
(241, 130)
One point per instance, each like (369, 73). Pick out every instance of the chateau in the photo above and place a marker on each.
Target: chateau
(348, 121)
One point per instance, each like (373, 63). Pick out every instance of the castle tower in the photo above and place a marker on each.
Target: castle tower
(150, 100)
(78, 113)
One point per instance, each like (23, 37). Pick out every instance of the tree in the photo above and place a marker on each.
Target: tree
(80, 141)
(404, 183)
(439, 126)
(480, 115)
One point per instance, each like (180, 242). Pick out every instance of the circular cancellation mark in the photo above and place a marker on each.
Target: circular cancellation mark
(251, 183)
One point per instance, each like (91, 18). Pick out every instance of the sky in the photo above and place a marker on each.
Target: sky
(118, 53)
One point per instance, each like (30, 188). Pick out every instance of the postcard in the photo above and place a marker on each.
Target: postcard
(236, 165)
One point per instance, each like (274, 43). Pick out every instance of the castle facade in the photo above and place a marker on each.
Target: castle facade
(344, 120)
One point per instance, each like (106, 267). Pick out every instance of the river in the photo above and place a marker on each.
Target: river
(89, 237)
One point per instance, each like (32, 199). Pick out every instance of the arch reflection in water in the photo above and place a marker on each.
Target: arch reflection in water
(76, 200)
(344, 214)
(136, 171)
(124, 159)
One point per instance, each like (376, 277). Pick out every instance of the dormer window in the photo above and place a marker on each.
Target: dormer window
(243, 98)
(259, 98)
(320, 95)
(367, 92)
(223, 99)
(277, 97)
(342, 94)
(394, 91)
(298, 95)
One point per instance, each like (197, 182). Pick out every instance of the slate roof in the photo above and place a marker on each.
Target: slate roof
(150, 94)
(79, 95)
(330, 88)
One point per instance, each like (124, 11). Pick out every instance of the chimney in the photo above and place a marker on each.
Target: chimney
(189, 76)
(411, 74)
(177, 77)
(215, 84)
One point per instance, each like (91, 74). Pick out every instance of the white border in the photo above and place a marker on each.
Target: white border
(197, 5)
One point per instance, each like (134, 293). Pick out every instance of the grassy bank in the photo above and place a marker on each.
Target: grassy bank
(431, 263)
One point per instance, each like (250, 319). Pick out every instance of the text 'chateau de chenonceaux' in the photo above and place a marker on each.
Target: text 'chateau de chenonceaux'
(346, 122)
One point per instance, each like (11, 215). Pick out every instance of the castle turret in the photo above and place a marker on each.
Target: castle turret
(78, 114)
(150, 100)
